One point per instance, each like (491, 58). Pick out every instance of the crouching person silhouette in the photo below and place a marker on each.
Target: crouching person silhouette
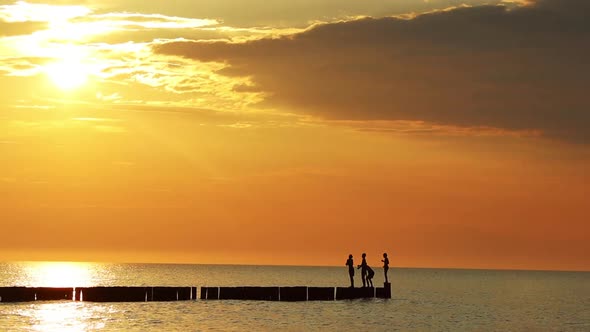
(370, 275)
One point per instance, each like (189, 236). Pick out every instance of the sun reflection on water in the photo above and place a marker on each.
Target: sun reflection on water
(59, 274)
(55, 315)
(65, 316)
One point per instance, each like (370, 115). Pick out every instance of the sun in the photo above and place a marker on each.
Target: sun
(71, 66)
(67, 74)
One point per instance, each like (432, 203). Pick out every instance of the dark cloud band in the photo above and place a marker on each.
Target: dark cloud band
(518, 69)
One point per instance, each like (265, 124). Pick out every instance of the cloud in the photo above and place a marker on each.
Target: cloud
(264, 13)
(148, 21)
(423, 128)
(521, 68)
(22, 11)
(20, 28)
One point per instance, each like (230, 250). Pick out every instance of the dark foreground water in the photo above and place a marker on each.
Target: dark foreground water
(423, 299)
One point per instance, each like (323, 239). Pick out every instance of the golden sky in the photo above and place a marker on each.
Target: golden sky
(446, 133)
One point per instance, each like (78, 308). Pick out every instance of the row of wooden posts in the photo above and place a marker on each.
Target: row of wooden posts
(149, 294)
(297, 293)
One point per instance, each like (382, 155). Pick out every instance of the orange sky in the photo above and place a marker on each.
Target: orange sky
(296, 134)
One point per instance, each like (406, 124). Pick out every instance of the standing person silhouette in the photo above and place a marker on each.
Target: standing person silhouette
(385, 261)
(363, 268)
(350, 264)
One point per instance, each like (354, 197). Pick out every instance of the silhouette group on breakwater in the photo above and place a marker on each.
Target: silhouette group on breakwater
(367, 272)
(172, 293)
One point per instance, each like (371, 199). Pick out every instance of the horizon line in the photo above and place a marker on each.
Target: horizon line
(297, 265)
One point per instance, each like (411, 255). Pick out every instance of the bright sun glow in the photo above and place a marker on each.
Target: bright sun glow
(67, 75)
(58, 274)
(70, 70)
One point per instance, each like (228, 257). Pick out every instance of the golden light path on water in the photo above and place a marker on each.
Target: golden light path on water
(59, 316)
(63, 316)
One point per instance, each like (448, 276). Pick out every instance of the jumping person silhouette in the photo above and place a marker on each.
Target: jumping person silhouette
(363, 268)
(350, 264)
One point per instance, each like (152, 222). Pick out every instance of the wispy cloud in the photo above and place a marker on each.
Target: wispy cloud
(413, 128)
(146, 21)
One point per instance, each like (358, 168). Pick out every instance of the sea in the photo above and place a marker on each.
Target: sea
(422, 300)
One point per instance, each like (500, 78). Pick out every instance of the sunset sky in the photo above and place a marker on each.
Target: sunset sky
(448, 133)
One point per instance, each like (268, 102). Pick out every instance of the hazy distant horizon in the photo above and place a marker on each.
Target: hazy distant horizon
(374, 266)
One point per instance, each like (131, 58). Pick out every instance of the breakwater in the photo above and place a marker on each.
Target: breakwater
(159, 293)
(297, 293)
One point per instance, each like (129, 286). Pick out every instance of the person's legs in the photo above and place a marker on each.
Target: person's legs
(385, 271)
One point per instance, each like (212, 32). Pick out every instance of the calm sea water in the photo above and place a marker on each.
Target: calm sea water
(423, 299)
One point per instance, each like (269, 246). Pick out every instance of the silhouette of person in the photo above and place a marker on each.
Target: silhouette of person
(385, 261)
(350, 264)
(370, 275)
(363, 268)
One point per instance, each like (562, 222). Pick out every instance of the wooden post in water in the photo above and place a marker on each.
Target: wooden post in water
(17, 294)
(203, 293)
(320, 293)
(53, 294)
(298, 293)
(385, 292)
(387, 287)
(231, 293)
(212, 293)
